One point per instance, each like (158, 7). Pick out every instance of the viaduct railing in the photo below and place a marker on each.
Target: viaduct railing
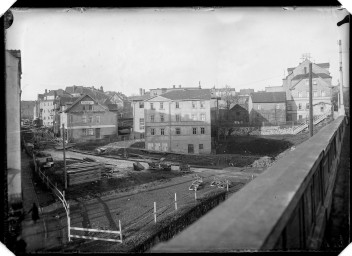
(284, 208)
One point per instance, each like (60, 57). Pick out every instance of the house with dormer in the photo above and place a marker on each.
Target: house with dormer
(296, 86)
(86, 119)
(178, 121)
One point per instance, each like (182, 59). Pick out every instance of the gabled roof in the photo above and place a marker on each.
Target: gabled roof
(200, 94)
(82, 97)
(245, 91)
(98, 95)
(323, 65)
(66, 100)
(314, 75)
(268, 97)
(144, 97)
(112, 107)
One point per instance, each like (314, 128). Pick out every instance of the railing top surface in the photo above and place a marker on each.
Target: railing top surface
(246, 219)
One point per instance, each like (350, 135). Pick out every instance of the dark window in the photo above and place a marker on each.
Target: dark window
(152, 118)
(152, 131)
(200, 146)
(194, 130)
(161, 105)
(202, 130)
(178, 118)
(141, 104)
(151, 106)
(162, 118)
(162, 131)
(178, 131)
(90, 107)
(177, 105)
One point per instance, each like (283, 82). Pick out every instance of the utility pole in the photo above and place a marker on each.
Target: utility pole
(310, 101)
(63, 148)
(341, 105)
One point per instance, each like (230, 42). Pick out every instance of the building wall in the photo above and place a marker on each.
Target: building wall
(76, 124)
(27, 109)
(171, 141)
(138, 114)
(268, 112)
(47, 112)
(13, 142)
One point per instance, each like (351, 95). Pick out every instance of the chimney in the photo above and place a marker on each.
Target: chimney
(74, 88)
(46, 91)
(179, 86)
(101, 88)
(143, 91)
(140, 91)
(174, 86)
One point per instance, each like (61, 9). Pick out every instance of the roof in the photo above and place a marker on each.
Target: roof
(98, 95)
(323, 65)
(79, 99)
(304, 76)
(268, 97)
(200, 94)
(146, 96)
(245, 91)
(65, 100)
(112, 107)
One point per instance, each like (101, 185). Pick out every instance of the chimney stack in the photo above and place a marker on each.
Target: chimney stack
(140, 91)
(46, 90)
(101, 88)
(174, 86)
(143, 91)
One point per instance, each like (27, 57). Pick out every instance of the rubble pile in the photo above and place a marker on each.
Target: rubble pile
(264, 161)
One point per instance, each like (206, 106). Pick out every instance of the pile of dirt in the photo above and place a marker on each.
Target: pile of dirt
(264, 161)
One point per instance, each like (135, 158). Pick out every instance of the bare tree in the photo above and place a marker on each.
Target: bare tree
(229, 98)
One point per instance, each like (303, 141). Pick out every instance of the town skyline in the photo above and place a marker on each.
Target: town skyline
(127, 49)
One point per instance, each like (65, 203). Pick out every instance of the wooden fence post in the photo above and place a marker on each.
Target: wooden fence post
(68, 223)
(175, 202)
(195, 194)
(120, 230)
(155, 212)
(227, 185)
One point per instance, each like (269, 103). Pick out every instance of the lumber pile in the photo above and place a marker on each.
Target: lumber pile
(78, 173)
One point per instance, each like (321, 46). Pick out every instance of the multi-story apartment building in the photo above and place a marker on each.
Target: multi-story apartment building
(179, 121)
(296, 86)
(86, 119)
(137, 102)
(267, 107)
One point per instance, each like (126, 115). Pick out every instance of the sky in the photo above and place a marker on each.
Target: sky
(127, 49)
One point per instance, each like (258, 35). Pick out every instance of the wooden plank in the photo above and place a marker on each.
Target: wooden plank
(83, 170)
(86, 164)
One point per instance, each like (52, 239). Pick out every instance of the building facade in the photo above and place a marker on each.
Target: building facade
(267, 108)
(13, 138)
(87, 120)
(27, 110)
(296, 86)
(179, 121)
(137, 103)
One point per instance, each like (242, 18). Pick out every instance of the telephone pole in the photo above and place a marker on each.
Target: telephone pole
(341, 105)
(310, 101)
(63, 148)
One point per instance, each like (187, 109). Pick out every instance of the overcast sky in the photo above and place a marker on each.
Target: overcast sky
(126, 49)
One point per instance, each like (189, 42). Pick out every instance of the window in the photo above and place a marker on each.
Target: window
(194, 117)
(151, 106)
(178, 131)
(90, 131)
(84, 107)
(202, 104)
(200, 146)
(98, 119)
(177, 105)
(84, 131)
(315, 94)
(307, 94)
(152, 131)
(161, 105)
(299, 105)
(90, 119)
(300, 117)
(178, 118)
(259, 107)
(202, 117)
(322, 93)
(194, 130)
(84, 119)
(152, 118)
(277, 106)
(141, 104)
(162, 131)
(307, 105)
(141, 123)
(299, 94)
(162, 118)
(193, 104)
(90, 107)
(202, 130)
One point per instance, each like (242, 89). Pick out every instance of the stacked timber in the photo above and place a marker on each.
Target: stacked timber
(83, 172)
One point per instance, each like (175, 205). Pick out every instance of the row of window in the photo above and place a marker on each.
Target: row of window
(300, 107)
(89, 118)
(49, 117)
(178, 118)
(48, 104)
(315, 94)
(177, 104)
(89, 131)
(195, 131)
(87, 107)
